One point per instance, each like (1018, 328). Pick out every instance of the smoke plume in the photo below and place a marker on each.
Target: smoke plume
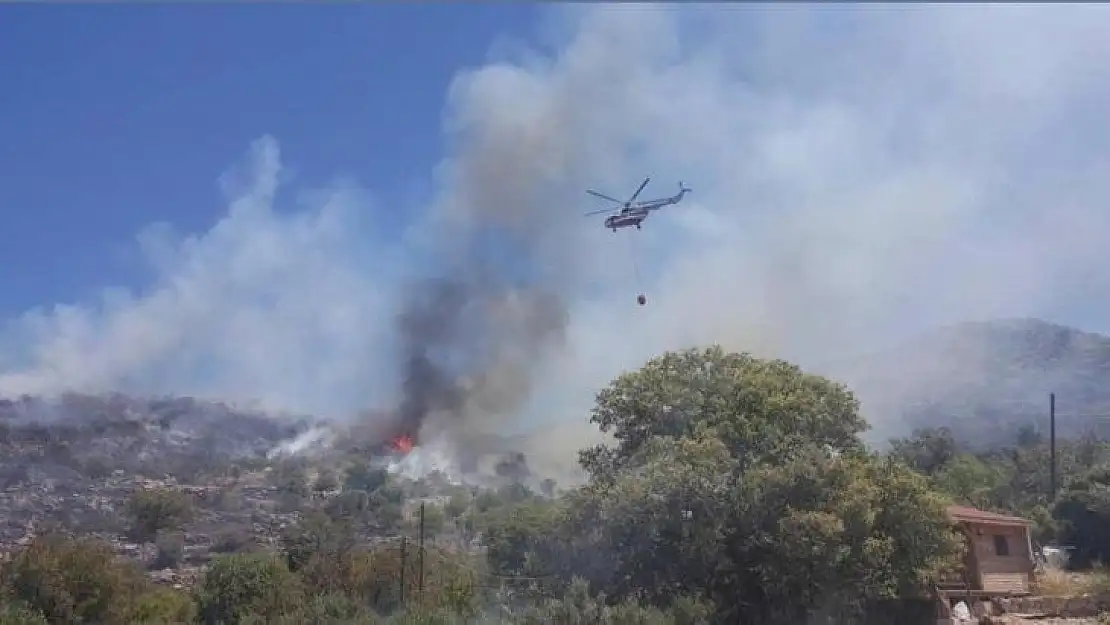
(470, 345)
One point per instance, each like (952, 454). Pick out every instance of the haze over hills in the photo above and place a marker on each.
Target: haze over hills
(982, 379)
(985, 380)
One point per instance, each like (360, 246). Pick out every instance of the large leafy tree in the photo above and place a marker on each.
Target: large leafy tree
(821, 532)
(758, 408)
(739, 480)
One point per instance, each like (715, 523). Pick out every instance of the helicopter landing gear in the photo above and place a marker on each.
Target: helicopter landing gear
(638, 227)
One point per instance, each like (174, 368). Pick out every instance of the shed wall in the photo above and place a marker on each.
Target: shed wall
(1009, 573)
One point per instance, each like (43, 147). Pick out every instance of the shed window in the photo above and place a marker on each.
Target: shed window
(1001, 546)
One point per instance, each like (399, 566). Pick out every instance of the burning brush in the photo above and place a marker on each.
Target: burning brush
(402, 444)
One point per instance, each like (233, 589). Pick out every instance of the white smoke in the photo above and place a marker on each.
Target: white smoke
(319, 438)
(426, 459)
(858, 174)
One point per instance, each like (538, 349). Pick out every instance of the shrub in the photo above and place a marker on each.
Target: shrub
(241, 585)
(155, 510)
(70, 581)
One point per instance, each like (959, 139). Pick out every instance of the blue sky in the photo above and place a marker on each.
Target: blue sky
(116, 116)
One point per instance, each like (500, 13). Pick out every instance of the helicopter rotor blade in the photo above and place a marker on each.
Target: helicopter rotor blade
(598, 212)
(603, 196)
(637, 193)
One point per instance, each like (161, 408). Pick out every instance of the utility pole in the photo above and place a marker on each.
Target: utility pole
(404, 543)
(1052, 446)
(420, 574)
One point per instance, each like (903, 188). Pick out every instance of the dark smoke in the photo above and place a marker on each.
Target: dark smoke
(476, 330)
(513, 467)
(471, 344)
(429, 325)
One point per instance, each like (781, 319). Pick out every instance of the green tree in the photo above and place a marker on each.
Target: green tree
(162, 606)
(171, 550)
(759, 408)
(325, 609)
(516, 535)
(73, 581)
(233, 540)
(926, 450)
(242, 586)
(973, 481)
(736, 480)
(316, 535)
(577, 607)
(832, 533)
(385, 507)
(1084, 514)
(154, 510)
(291, 480)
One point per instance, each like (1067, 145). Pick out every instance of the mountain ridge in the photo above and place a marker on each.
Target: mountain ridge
(987, 379)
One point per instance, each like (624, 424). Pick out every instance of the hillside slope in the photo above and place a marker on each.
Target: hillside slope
(987, 379)
(80, 435)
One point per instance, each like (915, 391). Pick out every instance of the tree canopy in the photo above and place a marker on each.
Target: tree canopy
(758, 408)
(739, 481)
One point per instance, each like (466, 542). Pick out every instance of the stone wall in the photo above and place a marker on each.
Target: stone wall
(1065, 607)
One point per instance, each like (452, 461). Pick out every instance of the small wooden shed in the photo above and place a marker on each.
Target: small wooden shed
(999, 559)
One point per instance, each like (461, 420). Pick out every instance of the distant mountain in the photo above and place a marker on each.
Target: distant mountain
(987, 379)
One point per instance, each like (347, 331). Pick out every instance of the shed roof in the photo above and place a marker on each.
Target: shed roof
(974, 515)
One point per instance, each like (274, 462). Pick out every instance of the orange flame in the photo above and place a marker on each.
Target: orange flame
(403, 443)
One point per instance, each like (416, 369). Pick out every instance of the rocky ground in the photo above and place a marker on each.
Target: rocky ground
(73, 464)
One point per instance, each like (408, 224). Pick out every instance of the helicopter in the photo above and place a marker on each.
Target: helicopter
(633, 213)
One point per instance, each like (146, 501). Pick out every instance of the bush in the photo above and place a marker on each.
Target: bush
(155, 510)
(66, 580)
(162, 606)
(247, 585)
(20, 614)
(325, 481)
(237, 540)
(71, 581)
(328, 609)
(171, 550)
